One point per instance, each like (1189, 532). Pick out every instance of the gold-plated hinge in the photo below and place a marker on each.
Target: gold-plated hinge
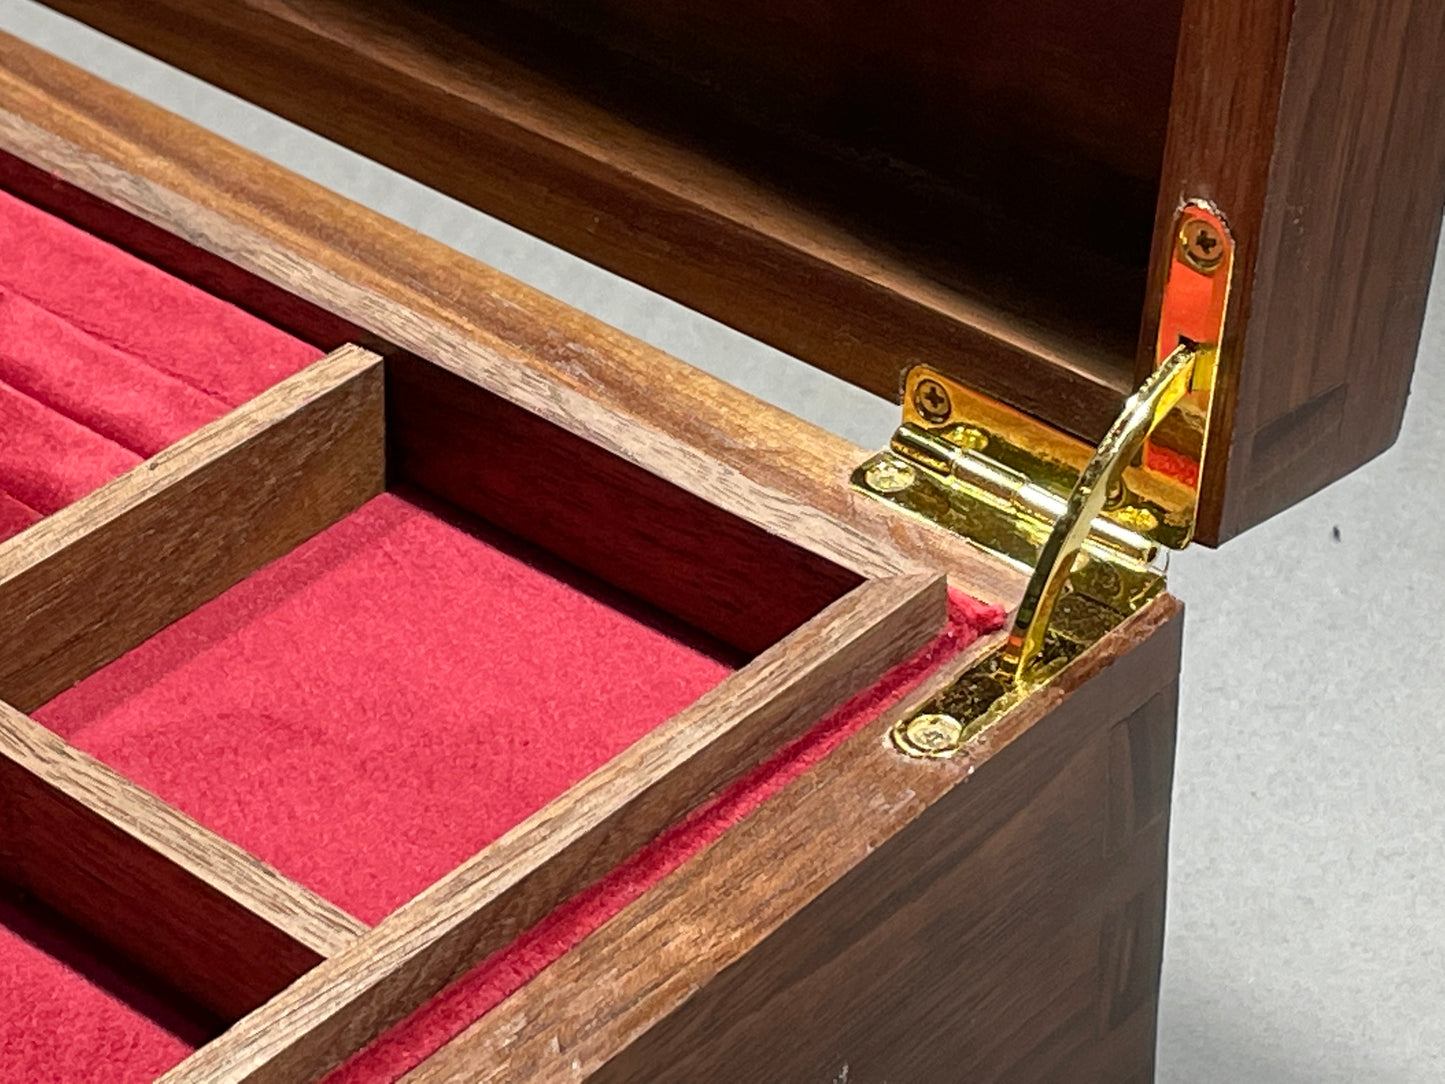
(1087, 523)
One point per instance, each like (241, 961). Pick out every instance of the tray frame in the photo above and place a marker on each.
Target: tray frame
(81, 587)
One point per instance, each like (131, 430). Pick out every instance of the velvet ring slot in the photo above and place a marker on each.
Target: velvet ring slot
(348, 647)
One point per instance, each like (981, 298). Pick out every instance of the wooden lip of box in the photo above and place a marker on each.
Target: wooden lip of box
(876, 904)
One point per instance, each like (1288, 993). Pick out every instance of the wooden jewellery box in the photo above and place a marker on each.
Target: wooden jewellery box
(405, 676)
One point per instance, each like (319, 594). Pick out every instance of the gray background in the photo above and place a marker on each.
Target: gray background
(1307, 893)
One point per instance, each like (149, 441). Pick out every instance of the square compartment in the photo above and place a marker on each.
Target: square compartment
(375, 706)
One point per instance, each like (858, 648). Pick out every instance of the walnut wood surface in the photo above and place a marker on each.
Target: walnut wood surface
(1318, 126)
(408, 89)
(485, 903)
(1315, 125)
(87, 584)
(656, 541)
(991, 917)
(416, 295)
(215, 923)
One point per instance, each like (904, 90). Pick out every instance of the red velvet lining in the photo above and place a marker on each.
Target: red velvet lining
(70, 1016)
(105, 360)
(378, 705)
(501, 975)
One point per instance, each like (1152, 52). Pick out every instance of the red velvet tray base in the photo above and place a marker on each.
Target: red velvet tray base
(69, 1014)
(372, 709)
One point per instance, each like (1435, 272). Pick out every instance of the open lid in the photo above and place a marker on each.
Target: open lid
(991, 190)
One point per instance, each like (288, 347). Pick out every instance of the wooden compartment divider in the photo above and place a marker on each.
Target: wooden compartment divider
(90, 582)
(480, 907)
(198, 912)
(82, 587)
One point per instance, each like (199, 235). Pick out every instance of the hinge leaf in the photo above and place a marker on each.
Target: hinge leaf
(1087, 523)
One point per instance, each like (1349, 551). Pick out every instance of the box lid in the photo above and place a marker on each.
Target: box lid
(988, 189)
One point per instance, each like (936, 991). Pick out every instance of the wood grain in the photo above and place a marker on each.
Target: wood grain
(1315, 125)
(415, 295)
(1318, 127)
(90, 582)
(660, 543)
(215, 923)
(997, 916)
(485, 903)
(409, 88)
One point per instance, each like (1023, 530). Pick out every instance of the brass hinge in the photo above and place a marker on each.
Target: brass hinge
(1087, 523)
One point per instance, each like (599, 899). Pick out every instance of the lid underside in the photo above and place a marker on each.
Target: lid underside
(987, 189)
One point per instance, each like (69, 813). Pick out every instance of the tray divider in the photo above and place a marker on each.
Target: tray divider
(87, 584)
(484, 904)
(203, 915)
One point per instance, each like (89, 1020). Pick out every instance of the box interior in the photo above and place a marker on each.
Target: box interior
(465, 676)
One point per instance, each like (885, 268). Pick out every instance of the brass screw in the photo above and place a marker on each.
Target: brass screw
(930, 735)
(888, 476)
(1201, 245)
(930, 399)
